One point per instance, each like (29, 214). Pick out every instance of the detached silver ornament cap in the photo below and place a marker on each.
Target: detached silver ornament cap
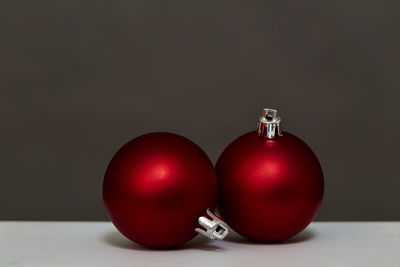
(214, 228)
(269, 124)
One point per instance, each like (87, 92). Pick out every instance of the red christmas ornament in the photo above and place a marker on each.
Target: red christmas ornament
(271, 183)
(157, 186)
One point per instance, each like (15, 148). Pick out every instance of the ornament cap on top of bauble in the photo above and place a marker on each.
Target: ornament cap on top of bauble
(269, 124)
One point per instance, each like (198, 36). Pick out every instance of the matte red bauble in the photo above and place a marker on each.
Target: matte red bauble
(157, 186)
(271, 183)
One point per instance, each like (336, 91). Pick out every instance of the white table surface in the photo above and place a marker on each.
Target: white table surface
(99, 244)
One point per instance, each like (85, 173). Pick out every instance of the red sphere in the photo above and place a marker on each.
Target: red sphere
(270, 190)
(155, 188)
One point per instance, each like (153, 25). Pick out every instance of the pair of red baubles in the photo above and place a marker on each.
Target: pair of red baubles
(267, 186)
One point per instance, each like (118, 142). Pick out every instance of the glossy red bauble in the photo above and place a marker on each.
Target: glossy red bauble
(156, 187)
(270, 190)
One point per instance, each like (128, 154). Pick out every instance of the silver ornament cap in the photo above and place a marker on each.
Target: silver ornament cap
(269, 124)
(215, 228)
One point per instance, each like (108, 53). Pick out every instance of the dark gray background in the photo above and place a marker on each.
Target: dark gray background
(80, 78)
